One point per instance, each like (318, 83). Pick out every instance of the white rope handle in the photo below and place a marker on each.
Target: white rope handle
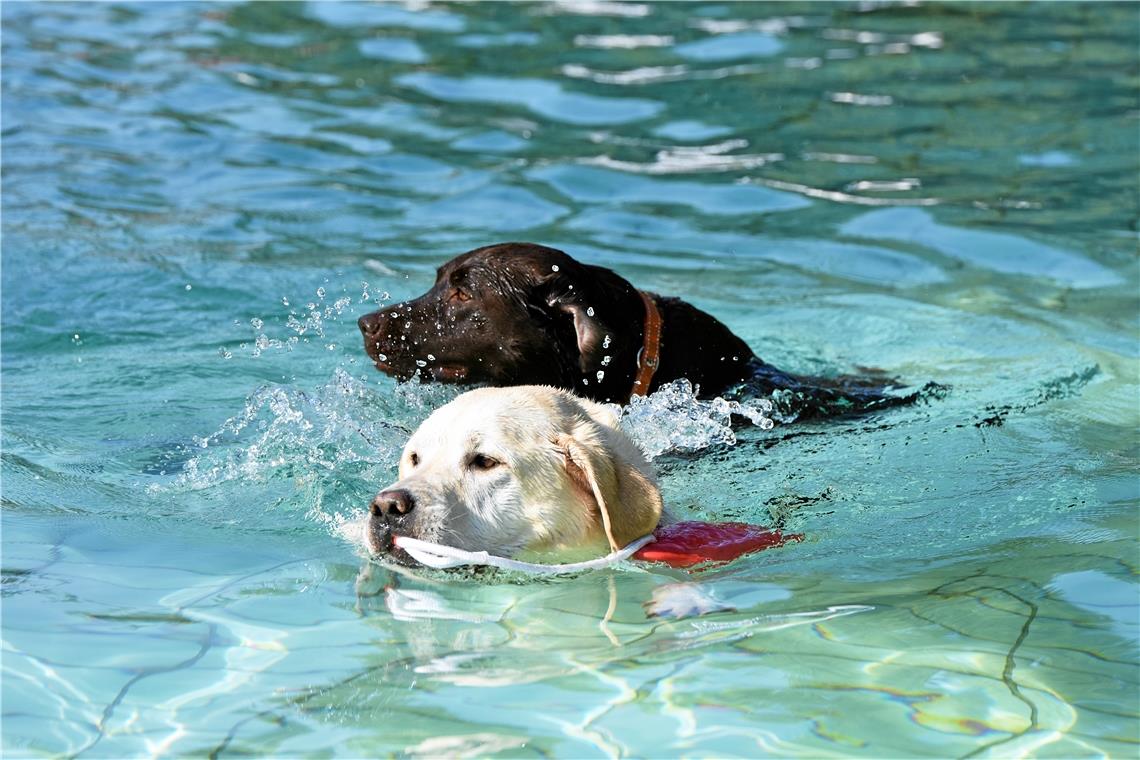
(440, 557)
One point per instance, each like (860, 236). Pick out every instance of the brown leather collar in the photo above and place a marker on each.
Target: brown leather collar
(650, 354)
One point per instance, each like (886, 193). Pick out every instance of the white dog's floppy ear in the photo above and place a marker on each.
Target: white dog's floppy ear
(627, 500)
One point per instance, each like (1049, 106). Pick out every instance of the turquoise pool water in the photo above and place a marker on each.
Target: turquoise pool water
(200, 200)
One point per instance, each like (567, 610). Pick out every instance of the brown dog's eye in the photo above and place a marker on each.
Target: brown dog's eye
(483, 462)
(414, 458)
(460, 295)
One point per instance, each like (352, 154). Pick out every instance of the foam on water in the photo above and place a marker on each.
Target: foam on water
(673, 419)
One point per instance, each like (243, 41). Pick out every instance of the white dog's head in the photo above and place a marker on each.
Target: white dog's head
(509, 470)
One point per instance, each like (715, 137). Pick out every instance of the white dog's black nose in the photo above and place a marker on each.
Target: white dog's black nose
(392, 504)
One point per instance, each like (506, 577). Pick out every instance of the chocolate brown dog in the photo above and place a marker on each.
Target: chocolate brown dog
(525, 314)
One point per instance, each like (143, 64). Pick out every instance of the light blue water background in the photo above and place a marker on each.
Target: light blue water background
(200, 200)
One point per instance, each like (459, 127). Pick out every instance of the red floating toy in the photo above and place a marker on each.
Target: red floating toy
(689, 543)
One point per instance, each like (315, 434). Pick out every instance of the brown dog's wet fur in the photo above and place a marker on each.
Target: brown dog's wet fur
(525, 314)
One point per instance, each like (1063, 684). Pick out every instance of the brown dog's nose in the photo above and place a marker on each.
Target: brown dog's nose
(369, 324)
(392, 504)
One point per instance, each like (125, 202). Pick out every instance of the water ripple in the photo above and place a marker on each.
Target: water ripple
(200, 200)
(544, 98)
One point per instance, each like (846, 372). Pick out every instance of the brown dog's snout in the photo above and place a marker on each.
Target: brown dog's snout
(392, 504)
(370, 323)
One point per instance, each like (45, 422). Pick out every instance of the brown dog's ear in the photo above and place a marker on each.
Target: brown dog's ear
(594, 335)
(626, 499)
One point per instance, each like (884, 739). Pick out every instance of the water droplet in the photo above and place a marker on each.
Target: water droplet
(431, 358)
(585, 381)
(601, 375)
(320, 292)
(421, 363)
(589, 311)
(553, 267)
(257, 323)
(606, 342)
(284, 301)
(382, 357)
(222, 352)
(189, 286)
(606, 360)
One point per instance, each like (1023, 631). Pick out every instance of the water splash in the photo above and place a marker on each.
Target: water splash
(307, 323)
(350, 525)
(322, 453)
(673, 419)
(286, 431)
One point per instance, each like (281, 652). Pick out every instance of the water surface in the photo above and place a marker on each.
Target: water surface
(200, 200)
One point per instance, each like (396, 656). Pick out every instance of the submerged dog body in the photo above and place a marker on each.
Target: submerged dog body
(518, 470)
(521, 314)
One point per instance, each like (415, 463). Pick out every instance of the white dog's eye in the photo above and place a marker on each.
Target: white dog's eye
(414, 458)
(482, 462)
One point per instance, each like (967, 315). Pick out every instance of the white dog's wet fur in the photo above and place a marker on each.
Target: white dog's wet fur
(519, 471)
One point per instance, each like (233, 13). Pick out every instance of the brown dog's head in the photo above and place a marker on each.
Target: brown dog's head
(510, 314)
